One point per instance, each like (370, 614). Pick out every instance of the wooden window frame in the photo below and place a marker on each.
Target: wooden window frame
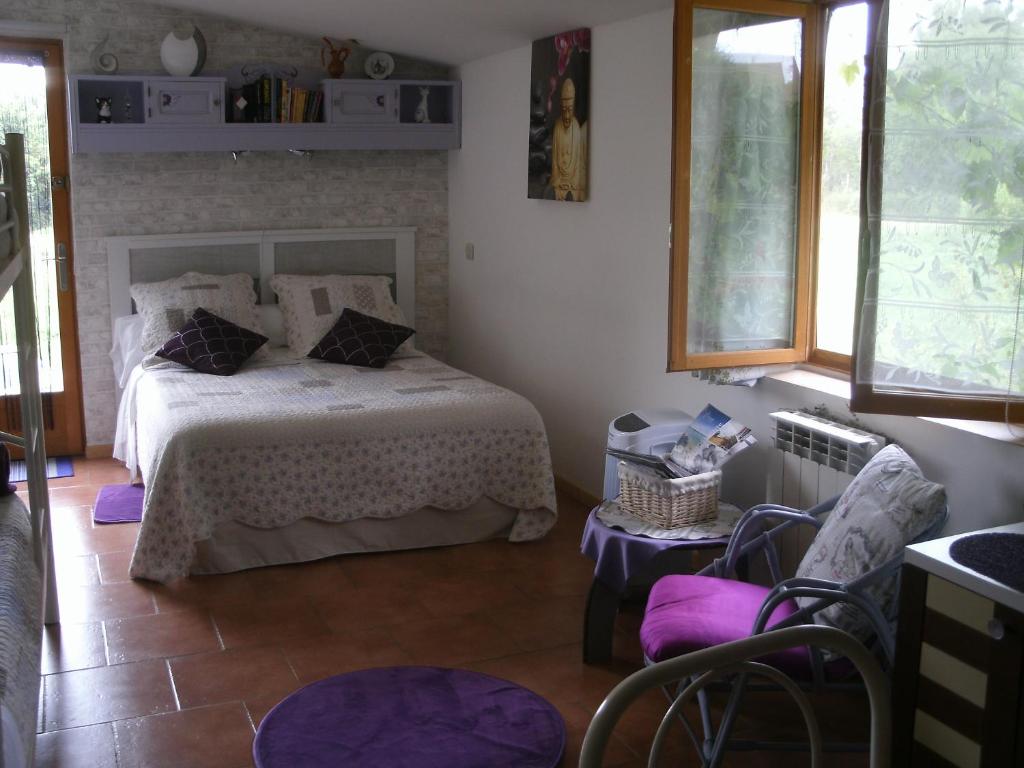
(680, 359)
(816, 355)
(864, 398)
(68, 434)
(815, 38)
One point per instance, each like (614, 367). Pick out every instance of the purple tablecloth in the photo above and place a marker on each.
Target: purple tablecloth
(620, 555)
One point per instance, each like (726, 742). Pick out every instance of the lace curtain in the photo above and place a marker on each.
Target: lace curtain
(942, 247)
(743, 188)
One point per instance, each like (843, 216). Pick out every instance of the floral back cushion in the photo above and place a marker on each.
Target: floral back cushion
(312, 304)
(167, 305)
(888, 505)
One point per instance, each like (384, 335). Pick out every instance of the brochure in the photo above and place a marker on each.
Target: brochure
(711, 439)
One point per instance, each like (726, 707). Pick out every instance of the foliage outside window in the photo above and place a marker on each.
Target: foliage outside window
(942, 249)
(842, 120)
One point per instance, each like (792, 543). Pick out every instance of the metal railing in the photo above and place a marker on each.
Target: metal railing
(12, 185)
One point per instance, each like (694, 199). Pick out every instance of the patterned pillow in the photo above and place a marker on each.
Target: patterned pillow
(887, 505)
(358, 339)
(311, 304)
(167, 305)
(211, 344)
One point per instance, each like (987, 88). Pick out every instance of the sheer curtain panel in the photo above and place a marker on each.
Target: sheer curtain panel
(939, 331)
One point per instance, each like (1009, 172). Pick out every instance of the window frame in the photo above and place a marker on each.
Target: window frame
(804, 348)
(679, 358)
(816, 355)
(864, 398)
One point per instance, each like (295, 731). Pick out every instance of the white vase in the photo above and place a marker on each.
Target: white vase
(183, 51)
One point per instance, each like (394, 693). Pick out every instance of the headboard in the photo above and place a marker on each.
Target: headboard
(368, 251)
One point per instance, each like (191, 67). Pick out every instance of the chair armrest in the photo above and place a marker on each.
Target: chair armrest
(826, 593)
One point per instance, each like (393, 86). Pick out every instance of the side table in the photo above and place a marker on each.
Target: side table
(620, 557)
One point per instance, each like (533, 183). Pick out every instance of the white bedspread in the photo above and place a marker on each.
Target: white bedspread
(303, 438)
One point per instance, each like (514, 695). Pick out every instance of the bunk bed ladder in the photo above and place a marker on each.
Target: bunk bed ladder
(12, 154)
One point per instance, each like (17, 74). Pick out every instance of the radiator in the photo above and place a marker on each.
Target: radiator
(814, 459)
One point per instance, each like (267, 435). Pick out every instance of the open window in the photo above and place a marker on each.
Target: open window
(769, 108)
(941, 326)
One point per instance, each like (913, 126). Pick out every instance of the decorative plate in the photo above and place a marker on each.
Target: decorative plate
(379, 65)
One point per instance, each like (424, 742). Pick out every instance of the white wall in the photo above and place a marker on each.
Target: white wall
(567, 303)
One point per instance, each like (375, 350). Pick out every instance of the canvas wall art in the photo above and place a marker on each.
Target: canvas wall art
(560, 117)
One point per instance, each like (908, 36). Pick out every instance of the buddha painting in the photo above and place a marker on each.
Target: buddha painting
(559, 110)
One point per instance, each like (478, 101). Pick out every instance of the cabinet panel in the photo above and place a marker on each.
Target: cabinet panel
(957, 686)
(363, 102)
(185, 101)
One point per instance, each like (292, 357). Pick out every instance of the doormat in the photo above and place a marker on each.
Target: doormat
(55, 467)
(119, 504)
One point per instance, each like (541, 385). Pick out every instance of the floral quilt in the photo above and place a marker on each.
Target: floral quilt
(290, 439)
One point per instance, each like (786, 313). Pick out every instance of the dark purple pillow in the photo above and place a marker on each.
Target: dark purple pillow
(211, 344)
(358, 339)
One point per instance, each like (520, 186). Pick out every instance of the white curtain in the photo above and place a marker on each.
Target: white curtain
(744, 168)
(942, 245)
(23, 110)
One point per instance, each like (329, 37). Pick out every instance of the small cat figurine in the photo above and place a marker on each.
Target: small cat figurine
(422, 114)
(103, 112)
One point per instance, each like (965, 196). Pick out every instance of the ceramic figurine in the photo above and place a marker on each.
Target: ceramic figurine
(103, 62)
(423, 110)
(336, 68)
(103, 113)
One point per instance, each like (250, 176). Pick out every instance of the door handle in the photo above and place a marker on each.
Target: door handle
(62, 267)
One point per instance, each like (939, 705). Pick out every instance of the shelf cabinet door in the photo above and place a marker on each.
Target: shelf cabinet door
(362, 102)
(185, 101)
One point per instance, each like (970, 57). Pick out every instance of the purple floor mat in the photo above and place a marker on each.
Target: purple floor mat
(119, 504)
(411, 717)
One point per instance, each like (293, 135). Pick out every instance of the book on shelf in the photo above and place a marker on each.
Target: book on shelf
(273, 100)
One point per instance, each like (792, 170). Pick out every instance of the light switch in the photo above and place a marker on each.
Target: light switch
(470, 252)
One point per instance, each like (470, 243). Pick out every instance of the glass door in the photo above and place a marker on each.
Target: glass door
(32, 102)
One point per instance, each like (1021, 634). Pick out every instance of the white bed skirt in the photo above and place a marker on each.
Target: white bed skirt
(236, 546)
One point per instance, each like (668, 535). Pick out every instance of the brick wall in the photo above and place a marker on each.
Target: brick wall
(127, 194)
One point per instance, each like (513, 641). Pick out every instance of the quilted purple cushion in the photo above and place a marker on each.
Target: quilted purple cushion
(211, 344)
(688, 613)
(358, 339)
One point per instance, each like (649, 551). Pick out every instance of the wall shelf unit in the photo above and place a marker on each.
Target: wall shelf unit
(165, 114)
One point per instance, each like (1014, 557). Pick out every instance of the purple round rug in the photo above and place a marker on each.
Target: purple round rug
(411, 717)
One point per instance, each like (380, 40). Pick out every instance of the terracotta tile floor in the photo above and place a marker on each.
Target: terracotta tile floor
(143, 674)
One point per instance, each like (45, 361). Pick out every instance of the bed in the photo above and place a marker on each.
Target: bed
(294, 459)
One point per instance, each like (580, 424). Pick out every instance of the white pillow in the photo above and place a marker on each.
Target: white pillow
(168, 305)
(888, 505)
(312, 304)
(127, 350)
(273, 325)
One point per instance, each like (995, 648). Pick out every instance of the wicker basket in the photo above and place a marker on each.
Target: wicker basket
(668, 503)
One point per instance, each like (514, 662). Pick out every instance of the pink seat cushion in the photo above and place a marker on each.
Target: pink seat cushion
(688, 613)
